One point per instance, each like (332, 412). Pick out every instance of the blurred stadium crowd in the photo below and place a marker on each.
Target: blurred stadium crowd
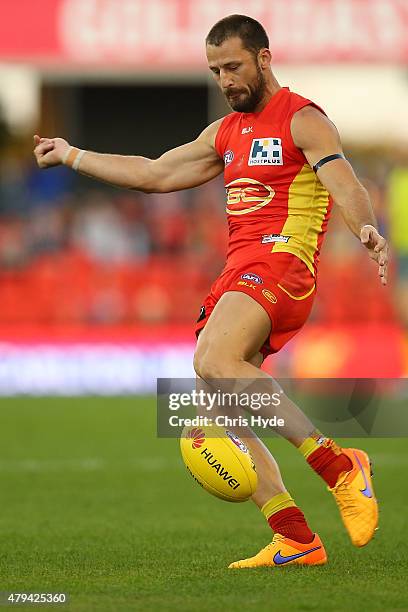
(73, 251)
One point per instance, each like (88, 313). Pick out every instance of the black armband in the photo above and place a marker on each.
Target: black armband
(329, 158)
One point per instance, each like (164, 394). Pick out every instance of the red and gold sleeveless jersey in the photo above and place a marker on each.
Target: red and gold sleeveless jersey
(275, 202)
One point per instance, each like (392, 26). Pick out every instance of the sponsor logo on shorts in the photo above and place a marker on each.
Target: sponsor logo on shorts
(246, 284)
(269, 296)
(250, 276)
(228, 157)
(266, 152)
(237, 441)
(197, 436)
(268, 238)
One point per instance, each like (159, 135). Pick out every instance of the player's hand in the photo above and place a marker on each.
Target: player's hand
(377, 248)
(49, 152)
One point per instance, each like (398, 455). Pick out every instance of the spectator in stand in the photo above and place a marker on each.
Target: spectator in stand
(100, 230)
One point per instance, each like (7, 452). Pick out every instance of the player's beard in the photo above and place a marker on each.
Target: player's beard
(248, 101)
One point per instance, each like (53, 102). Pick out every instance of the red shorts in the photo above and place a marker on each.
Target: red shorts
(281, 283)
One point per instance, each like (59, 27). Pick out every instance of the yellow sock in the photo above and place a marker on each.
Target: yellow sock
(277, 503)
(309, 445)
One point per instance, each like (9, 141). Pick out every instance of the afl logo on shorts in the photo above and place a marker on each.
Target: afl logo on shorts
(252, 277)
(228, 157)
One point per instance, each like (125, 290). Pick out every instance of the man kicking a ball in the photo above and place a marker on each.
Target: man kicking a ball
(283, 166)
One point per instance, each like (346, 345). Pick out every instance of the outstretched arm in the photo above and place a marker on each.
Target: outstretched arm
(318, 138)
(187, 166)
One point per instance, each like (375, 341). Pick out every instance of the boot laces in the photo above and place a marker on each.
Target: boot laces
(346, 500)
(275, 540)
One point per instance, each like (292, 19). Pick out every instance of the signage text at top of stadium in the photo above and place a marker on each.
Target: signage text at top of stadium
(168, 34)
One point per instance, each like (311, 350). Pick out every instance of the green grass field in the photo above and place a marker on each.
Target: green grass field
(93, 504)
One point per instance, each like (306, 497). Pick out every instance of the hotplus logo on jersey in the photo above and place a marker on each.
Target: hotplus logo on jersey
(244, 195)
(266, 151)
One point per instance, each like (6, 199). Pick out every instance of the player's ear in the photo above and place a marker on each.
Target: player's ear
(264, 58)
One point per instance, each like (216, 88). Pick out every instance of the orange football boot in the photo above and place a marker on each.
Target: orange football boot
(284, 551)
(354, 495)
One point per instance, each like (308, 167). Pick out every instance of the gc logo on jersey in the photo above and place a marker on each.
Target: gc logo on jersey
(245, 195)
(266, 151)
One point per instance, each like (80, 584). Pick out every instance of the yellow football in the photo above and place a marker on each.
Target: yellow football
(219, 461)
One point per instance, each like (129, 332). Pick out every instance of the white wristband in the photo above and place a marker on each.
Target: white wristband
(72, 157)
(77, 161)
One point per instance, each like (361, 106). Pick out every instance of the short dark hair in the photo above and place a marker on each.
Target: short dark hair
(250, 31)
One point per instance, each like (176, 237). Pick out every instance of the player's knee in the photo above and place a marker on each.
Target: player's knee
(210, 364)
(203, 364)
